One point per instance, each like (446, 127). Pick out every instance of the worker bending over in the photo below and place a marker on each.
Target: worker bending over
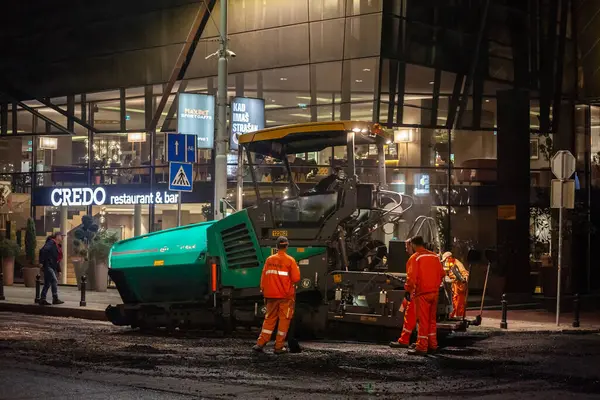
(279, 275)
(459, 277)
(425, 280)
(408, 306)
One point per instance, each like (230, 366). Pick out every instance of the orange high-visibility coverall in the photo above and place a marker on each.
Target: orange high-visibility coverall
(410, 313)
(426, 280)
(459, 289)
(279, 275)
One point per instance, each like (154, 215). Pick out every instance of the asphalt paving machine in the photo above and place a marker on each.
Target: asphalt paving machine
(207, 275)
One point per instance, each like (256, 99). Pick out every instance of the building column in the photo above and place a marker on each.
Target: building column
(512, 231)
(64, 228)
(137, 220)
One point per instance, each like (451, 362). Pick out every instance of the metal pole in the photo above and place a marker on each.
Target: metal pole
(560, 246)
(221, 136)
(240, 180)
(64, 228)
(179, 209)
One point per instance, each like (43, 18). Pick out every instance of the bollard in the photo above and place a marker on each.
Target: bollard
(2, 286)
(576, 306)
(503, 323)
(82, 301)
(38, 283)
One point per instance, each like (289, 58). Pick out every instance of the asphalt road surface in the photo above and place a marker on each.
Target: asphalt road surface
(47, 357)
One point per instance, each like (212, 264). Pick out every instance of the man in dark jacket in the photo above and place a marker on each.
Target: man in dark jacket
(50, 257)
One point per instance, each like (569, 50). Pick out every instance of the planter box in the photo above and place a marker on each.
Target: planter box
(8, 270)
(29, 274)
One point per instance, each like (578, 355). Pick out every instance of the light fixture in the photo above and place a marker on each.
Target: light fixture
(48, 143)
(283, 79)
(358, 81)
(366, 69)
(403, 136)
(431, 82)
(487, 100)
(136, 137)
(356, 130)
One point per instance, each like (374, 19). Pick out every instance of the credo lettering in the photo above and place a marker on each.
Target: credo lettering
(78, 197)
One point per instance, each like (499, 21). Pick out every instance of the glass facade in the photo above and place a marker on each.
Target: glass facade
(403, 63)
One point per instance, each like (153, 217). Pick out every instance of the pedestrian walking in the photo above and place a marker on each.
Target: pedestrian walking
(50, 256)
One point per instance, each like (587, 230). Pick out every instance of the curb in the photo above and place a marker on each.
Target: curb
(54, 311)
(566, 331)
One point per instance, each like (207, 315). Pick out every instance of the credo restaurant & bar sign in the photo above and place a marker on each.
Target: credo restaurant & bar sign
(98, 197)
(118, 195)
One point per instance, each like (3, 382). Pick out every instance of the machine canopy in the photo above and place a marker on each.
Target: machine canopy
(300, 138)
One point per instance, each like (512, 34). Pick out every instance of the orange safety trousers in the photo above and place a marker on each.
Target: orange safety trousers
(278, 310)
(426, 317)
(459, 298)
(410, 321)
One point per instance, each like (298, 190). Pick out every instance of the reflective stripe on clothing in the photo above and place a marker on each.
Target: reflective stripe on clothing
(427, 255)
(279, 275)
(268, 332)
(276, 272)
(282, 333)
(423, 337)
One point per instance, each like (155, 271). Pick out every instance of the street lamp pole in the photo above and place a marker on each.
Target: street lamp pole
(220, 177)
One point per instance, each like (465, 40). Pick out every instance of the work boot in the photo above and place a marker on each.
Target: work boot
(56, 300)
(398, 345)
(283, 350)
(415, 352)
(257, 348)
(43, 302)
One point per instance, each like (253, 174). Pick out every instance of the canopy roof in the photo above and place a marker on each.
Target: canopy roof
(315, 136)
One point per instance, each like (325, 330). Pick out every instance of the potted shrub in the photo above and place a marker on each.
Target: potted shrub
(31, 268)
(8, 251)
(99, 249)
(83, 237)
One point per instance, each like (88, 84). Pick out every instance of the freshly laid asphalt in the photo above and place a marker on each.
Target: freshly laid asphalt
(43, 357)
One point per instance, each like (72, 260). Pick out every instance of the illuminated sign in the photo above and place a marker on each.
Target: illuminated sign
(196, 117)
(247, 115)
(48, 143)
(99, 197)
(136, 137)
(421, 184)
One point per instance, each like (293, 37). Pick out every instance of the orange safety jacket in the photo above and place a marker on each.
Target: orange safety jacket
(427, 273)
(279, 275)
(409, 271)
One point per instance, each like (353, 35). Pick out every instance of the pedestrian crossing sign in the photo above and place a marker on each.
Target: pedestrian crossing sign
(180, 177)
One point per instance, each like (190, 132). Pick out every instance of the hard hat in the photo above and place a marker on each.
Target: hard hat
(446, 255)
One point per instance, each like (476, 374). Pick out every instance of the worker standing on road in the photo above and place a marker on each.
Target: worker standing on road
(425, 280)
(279, 275)
(408, 306)
(459, 276)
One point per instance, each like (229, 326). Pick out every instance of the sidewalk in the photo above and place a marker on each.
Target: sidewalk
(21, 299)
(537, 321)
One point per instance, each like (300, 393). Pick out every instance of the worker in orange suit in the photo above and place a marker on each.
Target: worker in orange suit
(279, 275)
(459, 276)
(425, 280)
(410, 313)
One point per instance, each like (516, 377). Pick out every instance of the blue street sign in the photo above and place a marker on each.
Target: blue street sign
(176, 147)
(180, 177)
(190, 148)
(181, 148)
